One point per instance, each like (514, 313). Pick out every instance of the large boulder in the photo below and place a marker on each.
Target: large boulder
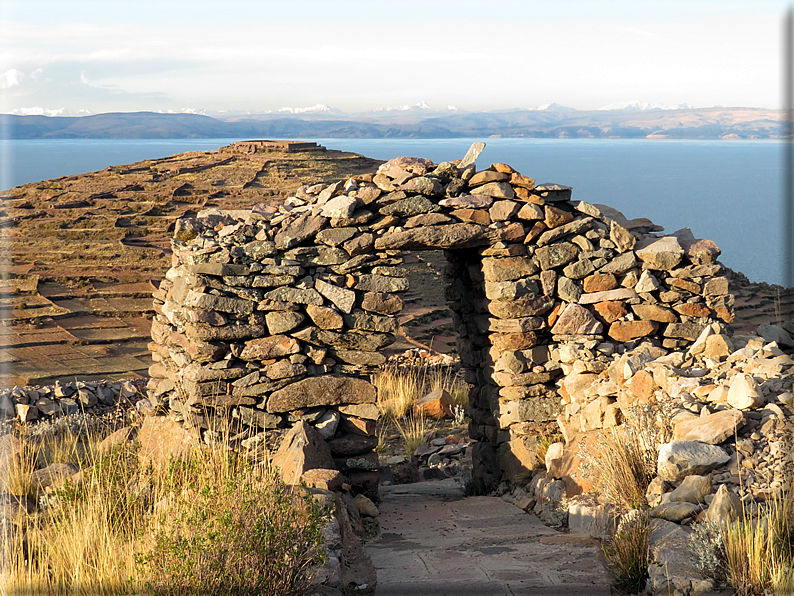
(303, 448)
(679, 459)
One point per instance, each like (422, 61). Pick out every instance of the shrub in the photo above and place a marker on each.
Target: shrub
(240, 533)
(628, 551)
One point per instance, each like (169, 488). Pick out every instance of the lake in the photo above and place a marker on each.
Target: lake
(728, 191)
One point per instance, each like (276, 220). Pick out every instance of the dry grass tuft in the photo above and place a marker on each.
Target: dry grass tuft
(628, 551)
(399, 388)
(758, 552)
(625, 474)
(414, 430)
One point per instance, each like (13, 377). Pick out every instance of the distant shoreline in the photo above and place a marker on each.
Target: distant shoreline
(681, 124)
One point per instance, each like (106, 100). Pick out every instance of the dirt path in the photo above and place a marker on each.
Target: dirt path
(436, 542)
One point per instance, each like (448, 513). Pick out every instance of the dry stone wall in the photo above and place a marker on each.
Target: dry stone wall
(280, 314)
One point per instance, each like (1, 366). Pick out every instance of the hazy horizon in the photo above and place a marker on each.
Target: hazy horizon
(358, 56)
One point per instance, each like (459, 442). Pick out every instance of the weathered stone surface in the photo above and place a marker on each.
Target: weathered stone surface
(295, 295)
(424, 186)
(486, 176)
(576, 320)
(621, 264)
(368, 411)
(519, 458)
(647, 283)
(653, 312)
(497, 190)
(426, 219)
(675, 511)
(744, 393)
(410, 207)
(324, 317)
(352, 444)
(622, 238)
(611, 310)
(507, 269)
(211, 302)
(568, 290)
(518, 325)
(436, 404)
(450, 236)
(693, 489)
(317, 255)
(381, 283)
(725, 507)
(511, 290)
(275, 346)
(474, 216)
(665, 253)
(258, 418)
(557, 255)
(679, 459)
(618, 294)
(514, 341)
(713, 429)
(503, 210)
(627, 330)
(467, 202)
(554, 217)
(303, 228)
(341, 207)
(302, 449)
(688, 331)
(336, 236)
(382, 303)
(368, 342)
(322, 391)
(599, 282)
(359, 357)
(521, 307)
(370, 322)
(342, 298)
(538, 409)
(282, 321)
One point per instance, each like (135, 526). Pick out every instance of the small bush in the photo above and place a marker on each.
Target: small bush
(245, 533)
(628, 551)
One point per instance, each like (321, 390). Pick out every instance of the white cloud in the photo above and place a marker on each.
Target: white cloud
(10, 78)
(37, 111)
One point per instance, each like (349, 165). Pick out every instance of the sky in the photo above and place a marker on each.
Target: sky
(86, 56)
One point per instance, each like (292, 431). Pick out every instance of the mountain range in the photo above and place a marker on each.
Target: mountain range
(419, 121)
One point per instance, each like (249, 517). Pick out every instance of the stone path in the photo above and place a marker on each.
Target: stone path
(436, 542)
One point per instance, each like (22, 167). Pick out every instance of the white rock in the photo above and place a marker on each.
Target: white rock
(647, 283)
(744, 393)
(341, 207)
(679, 459)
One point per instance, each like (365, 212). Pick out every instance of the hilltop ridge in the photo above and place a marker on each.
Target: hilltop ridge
(551, 122)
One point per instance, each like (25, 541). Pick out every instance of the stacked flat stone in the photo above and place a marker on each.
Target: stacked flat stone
(36, 403)
(279, 314)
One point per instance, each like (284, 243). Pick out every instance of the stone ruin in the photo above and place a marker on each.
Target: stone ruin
(276, 317)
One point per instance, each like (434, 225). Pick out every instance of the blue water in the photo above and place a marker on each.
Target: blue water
(729, 192)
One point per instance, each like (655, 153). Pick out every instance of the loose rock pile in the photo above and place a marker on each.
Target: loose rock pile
(42, 403)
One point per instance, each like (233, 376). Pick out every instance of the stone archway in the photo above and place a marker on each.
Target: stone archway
(278, 315)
